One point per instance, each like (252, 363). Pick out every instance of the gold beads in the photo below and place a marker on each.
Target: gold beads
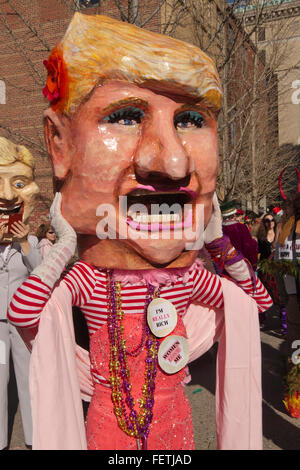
(120, 372)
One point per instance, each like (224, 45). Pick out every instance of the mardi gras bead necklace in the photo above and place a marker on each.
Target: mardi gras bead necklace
(132, 423)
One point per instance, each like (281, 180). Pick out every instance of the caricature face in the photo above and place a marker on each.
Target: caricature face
(17, 191)
(153, 149)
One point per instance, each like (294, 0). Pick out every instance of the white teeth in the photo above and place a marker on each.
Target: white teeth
(10, 208)
(148, 219)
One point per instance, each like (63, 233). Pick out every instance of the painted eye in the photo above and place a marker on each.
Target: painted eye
(129, 116)
(188, 119)
(19, 185)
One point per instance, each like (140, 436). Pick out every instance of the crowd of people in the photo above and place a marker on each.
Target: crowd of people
(150, 304)
(274, 252)
(266, 247)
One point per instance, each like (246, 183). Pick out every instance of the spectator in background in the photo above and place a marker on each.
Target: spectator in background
(278, 213)
(46, 237)
(266, 237)
(239, 234)
(287, 212)
(249, 220)
(289, 250)
(256, 221)
(240, 214)
(282, 216)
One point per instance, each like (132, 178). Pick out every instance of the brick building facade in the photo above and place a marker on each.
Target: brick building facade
(28, 31)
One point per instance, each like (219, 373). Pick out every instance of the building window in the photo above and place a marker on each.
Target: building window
(88, 3)
(2, 92)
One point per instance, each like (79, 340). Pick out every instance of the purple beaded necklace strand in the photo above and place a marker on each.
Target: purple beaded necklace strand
(133, 424)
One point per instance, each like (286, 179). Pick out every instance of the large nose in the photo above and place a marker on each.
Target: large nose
(160, 150)
(7, 191)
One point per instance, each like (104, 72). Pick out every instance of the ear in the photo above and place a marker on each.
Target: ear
(57, 135)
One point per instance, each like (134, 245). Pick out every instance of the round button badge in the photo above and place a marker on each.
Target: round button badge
(161, 317)
(173, 354)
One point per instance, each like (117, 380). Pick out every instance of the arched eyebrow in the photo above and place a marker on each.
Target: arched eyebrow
(20, 177)
(132, 100)
(200, 106)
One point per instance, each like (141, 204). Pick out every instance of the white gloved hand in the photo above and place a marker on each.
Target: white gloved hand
(239, 271)
(214, 227)
(52, 266)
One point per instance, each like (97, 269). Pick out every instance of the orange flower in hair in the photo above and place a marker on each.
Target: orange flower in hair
(56, 85)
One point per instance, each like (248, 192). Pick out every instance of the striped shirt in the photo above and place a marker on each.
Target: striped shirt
(88, 286)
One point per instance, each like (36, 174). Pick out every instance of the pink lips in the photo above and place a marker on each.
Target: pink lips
(158, 226)
(193, 194)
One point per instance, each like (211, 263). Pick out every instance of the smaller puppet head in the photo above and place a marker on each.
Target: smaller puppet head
(18, 190)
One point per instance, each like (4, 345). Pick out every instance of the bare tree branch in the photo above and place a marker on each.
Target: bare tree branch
(124, 17)
(29, 26)
(34, 71)
(22, 138)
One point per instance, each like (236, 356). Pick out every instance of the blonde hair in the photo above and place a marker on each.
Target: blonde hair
(11, 153)
(97, 48)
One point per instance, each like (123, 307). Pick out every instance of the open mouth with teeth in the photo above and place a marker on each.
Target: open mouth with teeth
(151, 210)
(6, 209)
(11, 213)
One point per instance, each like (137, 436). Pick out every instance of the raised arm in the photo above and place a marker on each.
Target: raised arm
(31, 297)
(231, 263)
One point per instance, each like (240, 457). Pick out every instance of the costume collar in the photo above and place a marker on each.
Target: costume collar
(156, 277)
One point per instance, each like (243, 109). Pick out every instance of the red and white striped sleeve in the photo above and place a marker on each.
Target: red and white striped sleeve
(207, 289)
(31, 297)
(81, 280)
(28, 302)
(259, 294)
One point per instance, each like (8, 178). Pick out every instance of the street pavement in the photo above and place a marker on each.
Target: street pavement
(279, 429)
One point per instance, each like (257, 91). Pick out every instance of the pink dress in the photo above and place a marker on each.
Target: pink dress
(60, 371)
(171, 427)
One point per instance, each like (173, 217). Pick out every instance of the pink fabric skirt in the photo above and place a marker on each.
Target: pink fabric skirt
(171, 427)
